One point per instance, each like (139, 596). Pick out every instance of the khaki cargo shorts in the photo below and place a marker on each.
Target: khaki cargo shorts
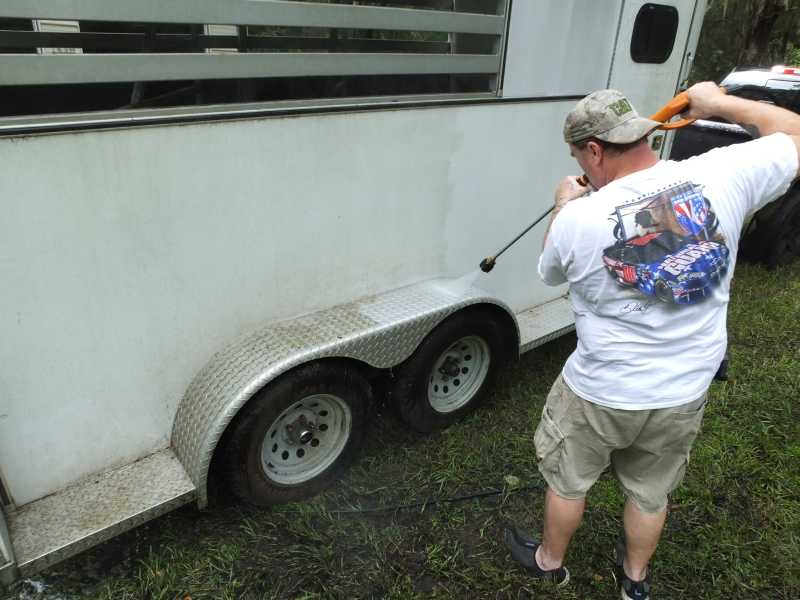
(648, 450)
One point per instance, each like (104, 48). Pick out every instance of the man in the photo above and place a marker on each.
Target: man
(649, 258)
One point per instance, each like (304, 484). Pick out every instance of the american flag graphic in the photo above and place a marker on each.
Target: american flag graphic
(691, 211)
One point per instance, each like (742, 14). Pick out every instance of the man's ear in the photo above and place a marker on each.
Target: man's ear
(596, 151)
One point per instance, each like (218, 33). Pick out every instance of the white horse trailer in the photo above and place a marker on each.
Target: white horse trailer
(194, 289)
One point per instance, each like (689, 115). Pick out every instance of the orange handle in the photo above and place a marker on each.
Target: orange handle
(677, 124)
(674, 107)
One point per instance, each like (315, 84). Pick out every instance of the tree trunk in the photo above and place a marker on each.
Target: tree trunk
(757, 52)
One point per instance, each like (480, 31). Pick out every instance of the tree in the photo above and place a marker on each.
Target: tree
(741, 33)
(765, 17)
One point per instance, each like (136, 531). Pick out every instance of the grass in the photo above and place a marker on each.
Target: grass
(733, 529)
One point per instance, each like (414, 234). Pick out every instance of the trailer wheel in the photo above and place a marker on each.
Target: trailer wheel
(297, 435)
(448, 375)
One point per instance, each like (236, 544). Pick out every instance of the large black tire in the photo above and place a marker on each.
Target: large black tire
(277, 450)
(783, 244)
(426, 410)
(773, 235)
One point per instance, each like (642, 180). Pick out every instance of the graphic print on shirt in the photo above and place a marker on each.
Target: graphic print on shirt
(668, 246)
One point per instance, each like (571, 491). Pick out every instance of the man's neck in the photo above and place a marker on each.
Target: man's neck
(632, 161)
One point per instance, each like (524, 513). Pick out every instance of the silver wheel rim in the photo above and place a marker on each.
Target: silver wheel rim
(306, 439)
(458, 374)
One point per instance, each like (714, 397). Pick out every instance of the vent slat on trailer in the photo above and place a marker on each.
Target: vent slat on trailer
(106, 68)
(187, 41)
(257, 12)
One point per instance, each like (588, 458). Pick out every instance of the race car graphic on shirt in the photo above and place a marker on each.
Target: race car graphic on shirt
(668, 246)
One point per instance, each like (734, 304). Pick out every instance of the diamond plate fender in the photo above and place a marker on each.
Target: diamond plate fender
(381, 330)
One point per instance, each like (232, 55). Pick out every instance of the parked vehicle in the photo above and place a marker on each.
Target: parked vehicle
(772, 235)
(212, 260)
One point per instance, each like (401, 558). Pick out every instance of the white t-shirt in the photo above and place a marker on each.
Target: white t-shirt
(649, 260)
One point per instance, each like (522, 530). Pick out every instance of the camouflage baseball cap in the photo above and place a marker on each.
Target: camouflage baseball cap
(606, 115)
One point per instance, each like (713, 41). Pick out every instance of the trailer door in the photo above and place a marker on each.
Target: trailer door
(654, 51)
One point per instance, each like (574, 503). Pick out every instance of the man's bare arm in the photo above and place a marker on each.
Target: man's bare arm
(758, 118)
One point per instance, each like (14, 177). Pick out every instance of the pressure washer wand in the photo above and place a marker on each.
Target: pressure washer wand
(487, 264)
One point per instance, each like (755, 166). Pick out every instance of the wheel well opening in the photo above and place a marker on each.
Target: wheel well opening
(508, 327)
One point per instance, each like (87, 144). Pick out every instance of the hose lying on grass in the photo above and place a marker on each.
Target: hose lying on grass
(434, 501)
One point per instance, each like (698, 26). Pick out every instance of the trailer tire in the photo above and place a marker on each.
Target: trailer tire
(448, 375)
(297, 435)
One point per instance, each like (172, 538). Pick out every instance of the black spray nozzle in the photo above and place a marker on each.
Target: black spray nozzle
(487, 264)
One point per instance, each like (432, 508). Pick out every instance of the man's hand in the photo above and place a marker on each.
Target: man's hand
(757, 118)
(705, 100)
(568, 190)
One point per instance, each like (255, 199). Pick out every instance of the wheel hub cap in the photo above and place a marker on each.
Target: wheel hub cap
(451, 367)
(458, 374)
(300, 432)
(306, 439)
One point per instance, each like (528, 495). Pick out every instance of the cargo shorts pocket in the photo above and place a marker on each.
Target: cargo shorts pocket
(692, 410)
(548, 442)
(687, 421)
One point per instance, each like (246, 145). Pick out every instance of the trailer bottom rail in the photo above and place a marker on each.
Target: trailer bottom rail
(543, 323)
(100, 507)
